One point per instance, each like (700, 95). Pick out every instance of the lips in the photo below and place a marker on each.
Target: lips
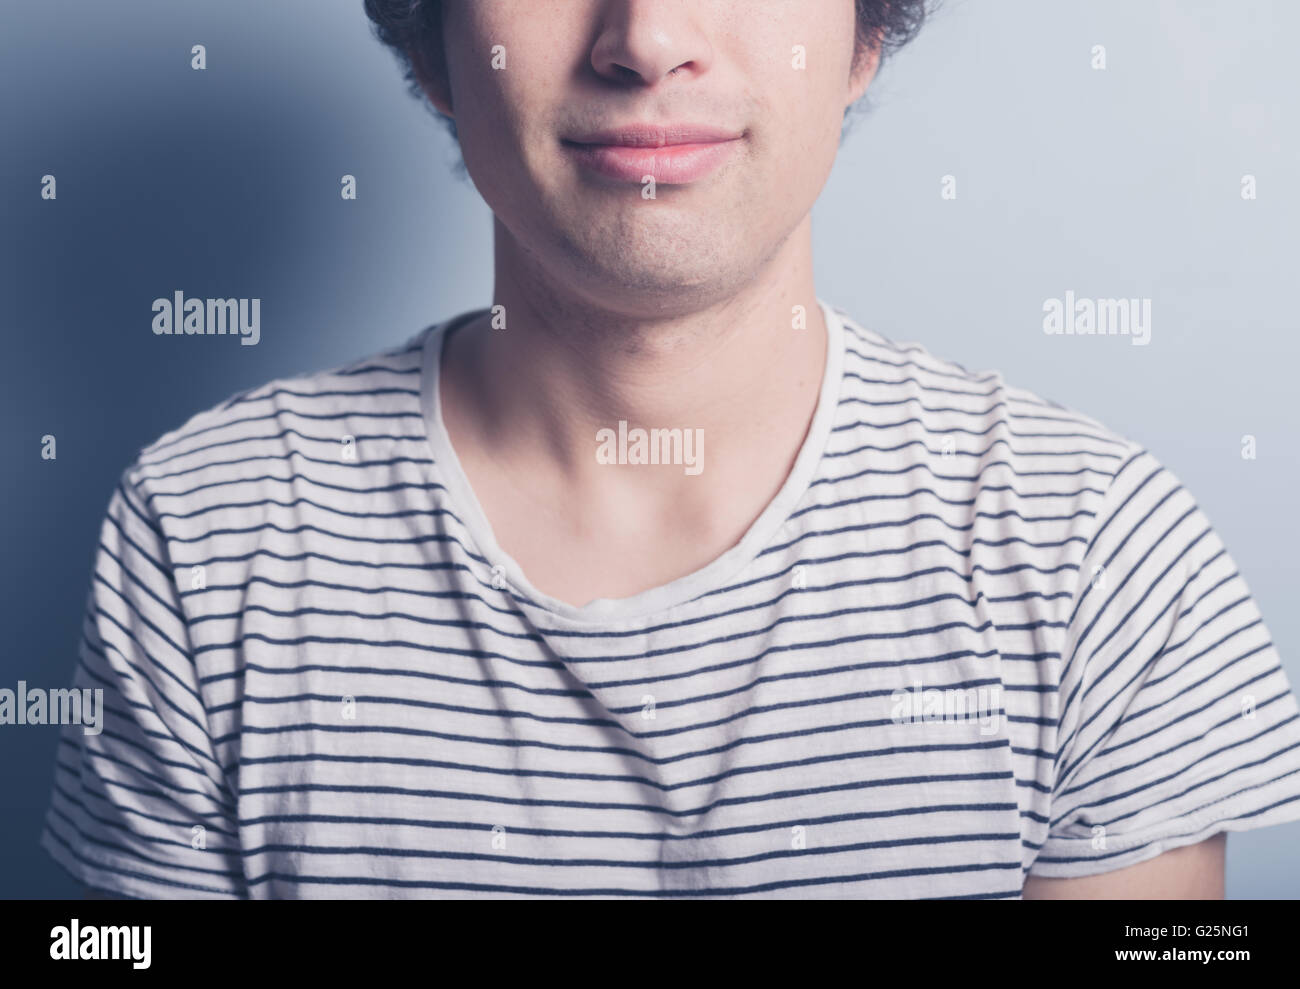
(675, 154)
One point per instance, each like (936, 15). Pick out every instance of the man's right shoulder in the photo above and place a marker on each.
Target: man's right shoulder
(303, 429)
(297, 451)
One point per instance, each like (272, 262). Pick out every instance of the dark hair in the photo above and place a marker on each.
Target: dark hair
(413, 30)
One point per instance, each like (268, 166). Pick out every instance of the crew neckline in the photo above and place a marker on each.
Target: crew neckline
(712, 576)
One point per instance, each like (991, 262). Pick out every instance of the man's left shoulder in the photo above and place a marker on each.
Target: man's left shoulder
(971, 426)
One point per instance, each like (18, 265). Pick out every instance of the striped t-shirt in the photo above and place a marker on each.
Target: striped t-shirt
(975, 636)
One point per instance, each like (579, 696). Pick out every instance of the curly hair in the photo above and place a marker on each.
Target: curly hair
(413, 30)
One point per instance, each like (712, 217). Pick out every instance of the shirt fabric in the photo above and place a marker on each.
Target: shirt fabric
(323, 677)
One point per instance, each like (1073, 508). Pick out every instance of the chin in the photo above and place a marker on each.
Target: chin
(662, 292)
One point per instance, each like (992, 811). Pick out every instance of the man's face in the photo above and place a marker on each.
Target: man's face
(769, 80)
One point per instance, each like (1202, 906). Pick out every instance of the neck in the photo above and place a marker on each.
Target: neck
(567, 366)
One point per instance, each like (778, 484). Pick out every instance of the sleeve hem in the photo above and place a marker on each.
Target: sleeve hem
(1070, 858)
(118, 875)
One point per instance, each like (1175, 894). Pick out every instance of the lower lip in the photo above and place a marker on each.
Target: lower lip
(676, 164)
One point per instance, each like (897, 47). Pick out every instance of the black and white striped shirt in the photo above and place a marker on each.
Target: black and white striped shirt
(976, 635)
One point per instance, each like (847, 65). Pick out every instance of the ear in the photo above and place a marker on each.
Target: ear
(866, 60)
(430, 68)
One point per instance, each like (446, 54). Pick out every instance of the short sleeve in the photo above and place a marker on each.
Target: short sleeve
(140, 805)
(1175, 719)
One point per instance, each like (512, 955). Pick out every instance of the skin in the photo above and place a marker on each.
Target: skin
(669, 313)
(672, 312)
(1193, 872)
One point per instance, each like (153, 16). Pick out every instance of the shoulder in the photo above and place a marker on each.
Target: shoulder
(288, 415)
(934, 416)
(1026, 481)
(295, 435)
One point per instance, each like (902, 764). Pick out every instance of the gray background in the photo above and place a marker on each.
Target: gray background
(1118, 183)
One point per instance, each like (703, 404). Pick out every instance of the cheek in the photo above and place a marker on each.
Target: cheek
(506, 107)
(802, 93)
(513, 57)
(509, 147)
(800, 135)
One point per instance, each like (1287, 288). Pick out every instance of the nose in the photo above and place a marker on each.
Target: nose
(642, 42)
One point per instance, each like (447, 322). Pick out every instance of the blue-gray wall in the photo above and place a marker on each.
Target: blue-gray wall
(1117, 183)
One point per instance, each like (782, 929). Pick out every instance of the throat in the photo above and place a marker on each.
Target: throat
(578, 507)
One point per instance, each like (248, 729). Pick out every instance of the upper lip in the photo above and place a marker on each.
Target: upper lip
(655, 135)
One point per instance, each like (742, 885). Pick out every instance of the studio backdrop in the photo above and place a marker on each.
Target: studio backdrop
(1019, 156)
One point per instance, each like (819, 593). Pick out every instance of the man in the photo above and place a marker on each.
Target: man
(660, 576)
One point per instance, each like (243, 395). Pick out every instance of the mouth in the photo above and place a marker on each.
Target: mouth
(671, 154)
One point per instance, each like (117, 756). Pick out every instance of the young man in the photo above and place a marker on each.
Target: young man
(662, 577)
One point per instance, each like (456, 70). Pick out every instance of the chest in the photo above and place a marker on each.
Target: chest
(810, 747)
